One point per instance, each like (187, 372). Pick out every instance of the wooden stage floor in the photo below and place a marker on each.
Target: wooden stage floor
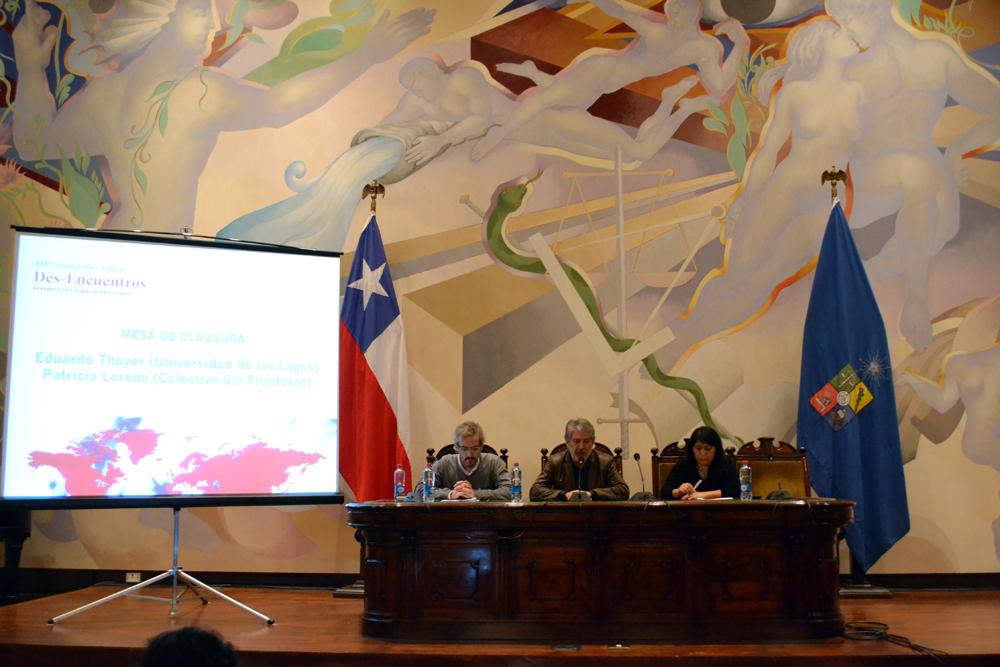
(313, 628)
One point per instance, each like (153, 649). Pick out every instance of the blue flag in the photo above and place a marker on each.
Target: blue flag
(847, 406)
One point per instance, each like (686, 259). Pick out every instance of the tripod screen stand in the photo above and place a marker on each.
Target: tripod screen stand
(174, 573)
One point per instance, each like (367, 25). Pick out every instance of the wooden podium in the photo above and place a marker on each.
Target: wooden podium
(602, 572)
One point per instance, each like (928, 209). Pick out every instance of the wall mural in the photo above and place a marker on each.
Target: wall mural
(617, 198)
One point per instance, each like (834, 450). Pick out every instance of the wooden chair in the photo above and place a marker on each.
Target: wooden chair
(663, 461)
(433, 456)
(561, 447)
(776, 467)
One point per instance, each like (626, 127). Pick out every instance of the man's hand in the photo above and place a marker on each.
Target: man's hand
(462, 489)
(390, 35)
(33, 41)
(570, 495)
(424, 149)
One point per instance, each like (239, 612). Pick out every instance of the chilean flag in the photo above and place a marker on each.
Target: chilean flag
(374, 401)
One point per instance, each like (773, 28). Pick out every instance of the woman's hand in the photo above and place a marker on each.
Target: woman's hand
(959, 168)
(683, 491)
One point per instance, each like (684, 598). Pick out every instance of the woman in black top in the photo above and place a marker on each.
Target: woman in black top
(706, 467)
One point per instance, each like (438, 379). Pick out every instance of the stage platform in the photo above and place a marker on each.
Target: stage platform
(313, 628)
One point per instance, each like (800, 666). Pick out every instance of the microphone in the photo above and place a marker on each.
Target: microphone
(641, 495)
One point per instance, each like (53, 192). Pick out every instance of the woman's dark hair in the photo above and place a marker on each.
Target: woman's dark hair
(189, 647)
(708, 436)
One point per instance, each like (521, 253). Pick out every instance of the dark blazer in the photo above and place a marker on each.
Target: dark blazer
(603, 481)
(723, 478)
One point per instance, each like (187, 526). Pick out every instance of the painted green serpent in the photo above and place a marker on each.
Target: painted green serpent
(507, 199)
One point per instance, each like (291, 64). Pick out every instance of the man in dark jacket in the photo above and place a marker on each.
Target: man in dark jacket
(580, 472)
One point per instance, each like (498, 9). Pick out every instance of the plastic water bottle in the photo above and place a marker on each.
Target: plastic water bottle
(746, 481)
(515, 484)
(399, 483)
(428, 482)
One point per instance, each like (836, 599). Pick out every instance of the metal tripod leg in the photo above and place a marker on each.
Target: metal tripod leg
(191, 580)
(111, 597)
(175, 573)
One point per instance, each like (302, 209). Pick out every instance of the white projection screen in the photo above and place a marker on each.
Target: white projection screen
(169, 372)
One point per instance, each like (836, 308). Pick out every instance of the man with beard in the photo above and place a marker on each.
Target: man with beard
(470, 473)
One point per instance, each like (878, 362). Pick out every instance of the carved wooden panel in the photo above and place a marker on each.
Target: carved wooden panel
(454, 578)
(746, 579)
(551, 580)
(646, 578)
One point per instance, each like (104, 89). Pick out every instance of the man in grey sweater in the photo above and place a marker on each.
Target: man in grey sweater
(470, 473)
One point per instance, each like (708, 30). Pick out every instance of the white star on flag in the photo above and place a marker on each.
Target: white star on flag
(370, 282)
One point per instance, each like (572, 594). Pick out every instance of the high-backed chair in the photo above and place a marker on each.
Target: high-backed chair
(663, 461)
(561, 447)
(433, 456)
(776, 467)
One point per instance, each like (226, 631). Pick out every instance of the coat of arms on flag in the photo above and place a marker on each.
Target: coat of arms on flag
(842, 398)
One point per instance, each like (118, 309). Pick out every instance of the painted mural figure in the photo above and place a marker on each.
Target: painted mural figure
(968, 374)
(443, 106)
(896, 167)
(974, 378)
(665, 43)
(777, 222)
(152, 158)
(465, 101)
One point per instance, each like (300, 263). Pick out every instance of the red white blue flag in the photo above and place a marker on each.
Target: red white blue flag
(374, 401)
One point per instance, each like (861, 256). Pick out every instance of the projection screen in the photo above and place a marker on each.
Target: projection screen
(169, 372)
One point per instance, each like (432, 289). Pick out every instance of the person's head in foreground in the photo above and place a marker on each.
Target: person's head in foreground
(189, 647)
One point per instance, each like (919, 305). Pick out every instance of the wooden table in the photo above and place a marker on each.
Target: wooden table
(717, 571)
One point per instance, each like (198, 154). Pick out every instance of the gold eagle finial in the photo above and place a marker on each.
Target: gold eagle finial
(833, 175)
(372, 190)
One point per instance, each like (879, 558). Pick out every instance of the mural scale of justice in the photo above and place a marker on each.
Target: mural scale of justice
(128, 114)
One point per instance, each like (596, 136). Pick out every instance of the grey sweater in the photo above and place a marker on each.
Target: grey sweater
(490, 480)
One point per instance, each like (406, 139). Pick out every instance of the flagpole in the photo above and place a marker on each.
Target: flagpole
(357, 589)
(623, 393)
(857, 585)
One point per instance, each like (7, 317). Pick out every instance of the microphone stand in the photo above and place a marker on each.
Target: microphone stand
(642, 479)
(641, 495)
(578, 495)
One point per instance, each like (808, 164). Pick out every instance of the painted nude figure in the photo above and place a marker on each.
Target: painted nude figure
(161, 45)
(666, 41)
(896, 168)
